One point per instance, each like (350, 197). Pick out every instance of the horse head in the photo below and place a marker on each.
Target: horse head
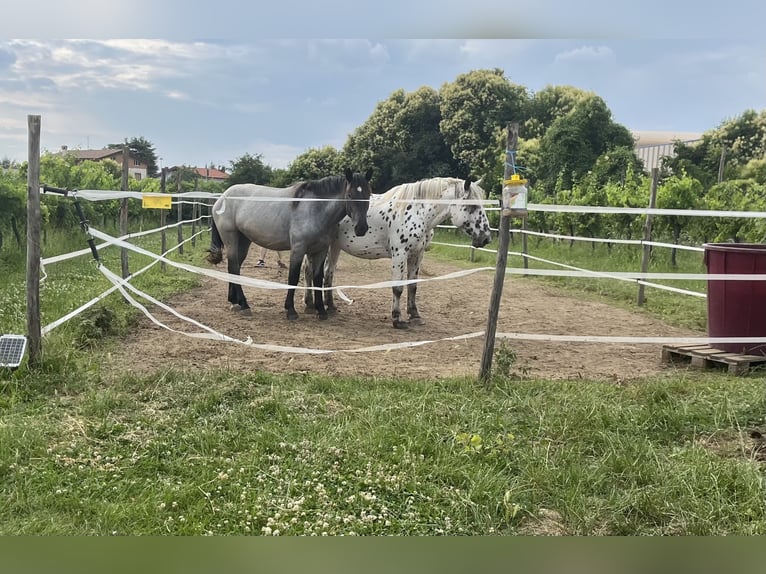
(471, 218)
(358, 199)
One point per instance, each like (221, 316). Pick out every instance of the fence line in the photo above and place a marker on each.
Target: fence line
(571, 271)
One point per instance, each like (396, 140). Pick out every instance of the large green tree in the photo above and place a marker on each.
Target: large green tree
(573, 143)
(249, 168)
(549, 104)
(316, 163)
(476, 108)
(401, 140)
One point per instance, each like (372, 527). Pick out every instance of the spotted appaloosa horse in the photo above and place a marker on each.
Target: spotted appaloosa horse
(277, 219)
(401, 224)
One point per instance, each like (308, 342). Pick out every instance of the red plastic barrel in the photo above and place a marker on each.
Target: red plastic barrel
(736, 308)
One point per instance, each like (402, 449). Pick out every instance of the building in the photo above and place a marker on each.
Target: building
(211, 173)
(652, 146)
(136, 168)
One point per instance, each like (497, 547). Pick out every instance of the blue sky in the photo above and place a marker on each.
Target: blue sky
(203, 101)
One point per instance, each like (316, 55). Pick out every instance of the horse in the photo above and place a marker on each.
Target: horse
(401, 225)
(244, 215)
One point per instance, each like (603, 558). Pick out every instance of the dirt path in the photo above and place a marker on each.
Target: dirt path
(450, 308)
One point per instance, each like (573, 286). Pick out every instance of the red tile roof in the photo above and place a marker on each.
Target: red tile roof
(211, 173)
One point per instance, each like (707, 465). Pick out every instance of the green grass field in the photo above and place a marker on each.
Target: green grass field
(83, 451)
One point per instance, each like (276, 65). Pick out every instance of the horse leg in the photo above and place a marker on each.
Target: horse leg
(234, 262)
(296, 261)
(397, 273)
(308, 294)
(329, 272)
(317, 264)
(413, 269)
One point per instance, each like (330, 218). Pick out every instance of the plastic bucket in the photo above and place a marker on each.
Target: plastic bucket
(736, 308)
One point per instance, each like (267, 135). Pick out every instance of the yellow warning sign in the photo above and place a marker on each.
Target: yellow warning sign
(152, 201)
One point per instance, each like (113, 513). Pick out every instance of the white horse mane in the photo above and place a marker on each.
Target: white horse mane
(424, 189)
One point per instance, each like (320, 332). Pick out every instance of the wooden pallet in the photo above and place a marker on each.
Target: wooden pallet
(706, 357)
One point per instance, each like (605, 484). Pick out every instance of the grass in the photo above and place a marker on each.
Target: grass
(83, 451)
(214, 453)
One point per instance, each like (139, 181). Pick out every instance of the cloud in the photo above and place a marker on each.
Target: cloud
(276, 155)
(586, 54)
(347, 55)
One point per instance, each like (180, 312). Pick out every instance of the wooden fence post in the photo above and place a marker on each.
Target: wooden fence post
(124, 212)
(163, 234)
(180, 213)
(648, 233)
(34, 332)
(502, 259)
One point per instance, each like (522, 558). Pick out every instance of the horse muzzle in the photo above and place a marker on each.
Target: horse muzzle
(361, 228)
(481, 241)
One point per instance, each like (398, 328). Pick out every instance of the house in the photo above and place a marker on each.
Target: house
(211, 173)
(652, 146)
(136, 168)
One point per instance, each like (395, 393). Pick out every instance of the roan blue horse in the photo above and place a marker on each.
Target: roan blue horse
(302, 218)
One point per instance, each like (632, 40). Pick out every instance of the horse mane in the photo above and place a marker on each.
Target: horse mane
(424, 189)
(324, 187)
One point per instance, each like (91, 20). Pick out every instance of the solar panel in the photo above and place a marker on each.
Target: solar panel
(12, 349)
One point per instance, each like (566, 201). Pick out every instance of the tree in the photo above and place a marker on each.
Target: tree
(476, 109)
(143, 150)
(743, 138)
(249, 169)
(316, 163)
(374, 143)
(401, 140)
(549, 104)
(422, 151)
(570, 147)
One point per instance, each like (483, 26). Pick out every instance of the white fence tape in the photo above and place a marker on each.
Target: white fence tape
(103, 195)
(544, 207)
(109, 291)
(604, 240)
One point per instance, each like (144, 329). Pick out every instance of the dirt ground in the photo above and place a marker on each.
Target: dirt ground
(449, 307)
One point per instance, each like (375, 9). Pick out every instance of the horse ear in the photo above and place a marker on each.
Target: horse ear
(349, 175)
(368, 174)
(467, 184)
(478, 181)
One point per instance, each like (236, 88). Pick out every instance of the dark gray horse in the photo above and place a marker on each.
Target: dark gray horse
(269, 216)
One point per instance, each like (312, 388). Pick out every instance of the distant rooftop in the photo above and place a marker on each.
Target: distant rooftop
(648, 138)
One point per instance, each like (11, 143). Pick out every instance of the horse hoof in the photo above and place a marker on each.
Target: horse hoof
(322, 316)
(239, 310)
(292, 316)
(416, 321)
(401, 325)
(309, 310)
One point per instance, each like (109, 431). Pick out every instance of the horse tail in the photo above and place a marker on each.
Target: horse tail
(215, 253)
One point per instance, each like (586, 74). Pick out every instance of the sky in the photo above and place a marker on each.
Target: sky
(210, 101)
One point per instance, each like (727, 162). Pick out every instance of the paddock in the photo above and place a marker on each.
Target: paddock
(452, 308)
